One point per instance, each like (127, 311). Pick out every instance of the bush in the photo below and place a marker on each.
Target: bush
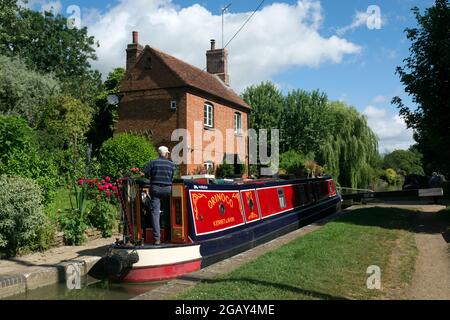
(123, 152)
(73, 224)
(19, 155)
(391, 176)
(103, 214)
(22, 220)
(225, 170)
(293, 162)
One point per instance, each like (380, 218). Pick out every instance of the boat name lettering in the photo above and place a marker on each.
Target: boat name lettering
(220, 197)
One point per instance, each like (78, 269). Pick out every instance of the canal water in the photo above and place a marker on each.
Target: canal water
(91, 289)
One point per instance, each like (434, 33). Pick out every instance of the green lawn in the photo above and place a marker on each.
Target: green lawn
(59, 204)
(330, 263)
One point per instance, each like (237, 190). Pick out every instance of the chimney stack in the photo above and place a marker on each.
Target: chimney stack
(133, 51)
(135, 37)
(217, 62)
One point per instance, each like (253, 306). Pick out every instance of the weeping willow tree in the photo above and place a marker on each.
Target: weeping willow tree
(351, 149)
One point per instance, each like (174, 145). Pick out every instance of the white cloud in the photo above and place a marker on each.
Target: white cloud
(390, 128)
(379, 99)
(279, 36)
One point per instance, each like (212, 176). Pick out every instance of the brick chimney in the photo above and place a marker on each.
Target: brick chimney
(133, 51)
(217, 62)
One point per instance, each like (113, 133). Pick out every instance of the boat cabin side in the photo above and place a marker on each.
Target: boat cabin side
(199, 208)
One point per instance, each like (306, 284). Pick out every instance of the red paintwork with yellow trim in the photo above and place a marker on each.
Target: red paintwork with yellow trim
(250, 205)
(209, 217)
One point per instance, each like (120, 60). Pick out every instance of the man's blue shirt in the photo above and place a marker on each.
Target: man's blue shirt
(160, 171)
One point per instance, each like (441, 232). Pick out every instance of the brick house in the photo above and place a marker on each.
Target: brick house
(161, 93)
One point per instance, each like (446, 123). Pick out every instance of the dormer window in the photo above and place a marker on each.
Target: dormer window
(208, 115)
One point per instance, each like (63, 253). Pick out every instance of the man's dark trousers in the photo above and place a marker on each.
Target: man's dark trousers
(158, 193)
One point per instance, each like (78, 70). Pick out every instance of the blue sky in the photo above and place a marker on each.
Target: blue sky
(356, 64)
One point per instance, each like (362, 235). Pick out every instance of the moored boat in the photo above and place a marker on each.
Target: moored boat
(206, 222)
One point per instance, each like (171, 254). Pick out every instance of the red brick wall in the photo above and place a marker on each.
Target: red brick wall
(223, 120)
(148, 112)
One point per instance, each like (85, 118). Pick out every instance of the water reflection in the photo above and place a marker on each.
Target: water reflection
(91, 289)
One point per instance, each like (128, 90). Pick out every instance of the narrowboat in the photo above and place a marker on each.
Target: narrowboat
(205, 222)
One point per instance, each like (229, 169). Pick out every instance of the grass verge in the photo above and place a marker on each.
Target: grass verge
(330, 263)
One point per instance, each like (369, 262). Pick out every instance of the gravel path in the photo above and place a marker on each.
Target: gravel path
(431, 280)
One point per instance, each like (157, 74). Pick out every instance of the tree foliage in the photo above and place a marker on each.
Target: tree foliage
(351, 148)
(425, 76)
(303, 121)
(124, 152)
(333, 134)
(47, 44)
(404, 161)
(106, 114)
(267, 106)
(65, 120)
(20, 155)
(24, 92)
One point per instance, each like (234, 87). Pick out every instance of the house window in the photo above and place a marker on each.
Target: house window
(173, 105)
(209, 167)
(237, 123)
(208, 115)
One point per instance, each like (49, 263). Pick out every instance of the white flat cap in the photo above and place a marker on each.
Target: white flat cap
(163, 150)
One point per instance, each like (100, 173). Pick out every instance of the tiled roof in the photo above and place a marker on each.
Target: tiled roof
(199, 79)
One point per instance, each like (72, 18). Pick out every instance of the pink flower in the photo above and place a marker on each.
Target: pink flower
(81, 182)
(108, 194)
(114, 188)
(108, 179)
(100, 188)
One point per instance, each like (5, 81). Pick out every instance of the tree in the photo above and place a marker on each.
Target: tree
(46, 43)
(425, 76)
(304, 121)
(65, 120)
(267, 106)
(405, 161)
(24, 92)
(267, 109)
(106, 115)
(351, 149)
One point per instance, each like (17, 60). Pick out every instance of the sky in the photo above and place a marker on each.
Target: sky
(347, 49)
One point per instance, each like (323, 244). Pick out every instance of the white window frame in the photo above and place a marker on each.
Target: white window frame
(173, 105)
(237, 123)
(208, 165)
(208, 115)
